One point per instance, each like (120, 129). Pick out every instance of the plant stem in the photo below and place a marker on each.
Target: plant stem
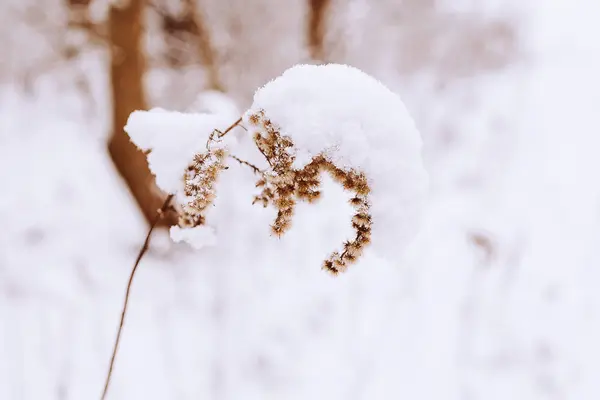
(254, 168)
(143, 250)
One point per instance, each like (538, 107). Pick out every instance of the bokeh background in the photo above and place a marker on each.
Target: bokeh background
(497, 297)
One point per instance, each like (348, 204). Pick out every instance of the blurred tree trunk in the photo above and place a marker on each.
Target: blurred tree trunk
(126, 72)
(317, 12)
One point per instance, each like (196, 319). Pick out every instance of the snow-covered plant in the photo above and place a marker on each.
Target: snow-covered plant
(310, 122)
(283, 184)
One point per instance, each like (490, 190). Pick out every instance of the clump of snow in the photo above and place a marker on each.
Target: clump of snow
(172, 139)
(357, 123)
(198, 237)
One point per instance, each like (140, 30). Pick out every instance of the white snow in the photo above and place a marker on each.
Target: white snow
(172, 139)
(198, 236)
(358, 123)
(214, 102)
(246, 319)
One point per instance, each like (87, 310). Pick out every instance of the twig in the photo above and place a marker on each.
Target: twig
(143, 250)
(265, 156)
(236, 123)
(254, 168)
(220, 134)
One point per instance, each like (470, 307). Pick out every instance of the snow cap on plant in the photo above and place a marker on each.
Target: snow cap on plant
(338, 120)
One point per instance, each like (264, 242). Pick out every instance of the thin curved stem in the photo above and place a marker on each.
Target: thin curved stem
(253, 167)
(143, 250)
(226, 131)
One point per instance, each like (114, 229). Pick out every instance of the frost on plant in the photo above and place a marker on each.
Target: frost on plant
(312, 120)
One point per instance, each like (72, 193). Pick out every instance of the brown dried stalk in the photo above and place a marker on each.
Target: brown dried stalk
(143, 250)
(226, 131)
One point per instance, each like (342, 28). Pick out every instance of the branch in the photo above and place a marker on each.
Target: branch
(236, 123)
(220, 134)
(143, 250)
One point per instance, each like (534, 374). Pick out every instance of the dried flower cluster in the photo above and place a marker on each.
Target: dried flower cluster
(279, 183)
(283, 185)
(361, 220)
(199, 185)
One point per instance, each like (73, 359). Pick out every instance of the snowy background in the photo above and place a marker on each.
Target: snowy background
(496, 298)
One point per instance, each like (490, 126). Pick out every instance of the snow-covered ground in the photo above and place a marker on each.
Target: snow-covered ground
(497, 298)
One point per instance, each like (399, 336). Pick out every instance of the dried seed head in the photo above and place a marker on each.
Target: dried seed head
(199, 185)
(254, 119)
(329, 266)
(356, 201)
(362, 219)
(283, 184)
(284, 202)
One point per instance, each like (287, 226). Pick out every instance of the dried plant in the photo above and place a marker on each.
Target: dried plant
(159, 215)
(199, 186)
(200, 178)
(282, 186)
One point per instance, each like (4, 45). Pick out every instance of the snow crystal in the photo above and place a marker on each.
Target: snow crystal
(357, 123)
